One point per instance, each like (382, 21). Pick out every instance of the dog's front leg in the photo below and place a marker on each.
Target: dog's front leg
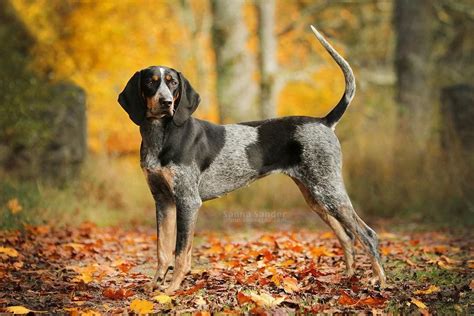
(187, 211)
(166, 243)
(165, 224)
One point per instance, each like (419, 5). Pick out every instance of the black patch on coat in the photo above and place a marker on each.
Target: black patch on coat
(276, 146)
(194, 141)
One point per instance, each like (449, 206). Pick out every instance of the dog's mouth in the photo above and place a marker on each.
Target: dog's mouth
(161, 113)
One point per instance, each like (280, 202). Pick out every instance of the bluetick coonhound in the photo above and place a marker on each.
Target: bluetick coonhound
(187, 161)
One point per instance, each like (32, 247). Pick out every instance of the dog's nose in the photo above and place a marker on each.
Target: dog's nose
(166, 103)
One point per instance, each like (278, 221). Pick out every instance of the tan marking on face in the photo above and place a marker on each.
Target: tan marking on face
(155, 78)
(168, 77)
(151, 102)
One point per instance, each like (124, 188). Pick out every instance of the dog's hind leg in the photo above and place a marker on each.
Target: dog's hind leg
(346, 239)
(334, 201)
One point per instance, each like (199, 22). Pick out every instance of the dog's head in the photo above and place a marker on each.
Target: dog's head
(157, 92)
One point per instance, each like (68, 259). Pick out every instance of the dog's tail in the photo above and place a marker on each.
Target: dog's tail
(335, 115)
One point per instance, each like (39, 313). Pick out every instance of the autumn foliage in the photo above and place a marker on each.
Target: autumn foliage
(89, 269)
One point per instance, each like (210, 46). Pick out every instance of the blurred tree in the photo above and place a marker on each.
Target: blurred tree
(42, 123)
(267, 58)
(413, 23)
(235, 85)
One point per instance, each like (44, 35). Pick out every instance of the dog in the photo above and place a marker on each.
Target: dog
(187, 161)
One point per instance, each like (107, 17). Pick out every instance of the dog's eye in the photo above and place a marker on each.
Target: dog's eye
(174, 83)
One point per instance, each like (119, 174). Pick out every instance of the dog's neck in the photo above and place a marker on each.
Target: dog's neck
(153, 137)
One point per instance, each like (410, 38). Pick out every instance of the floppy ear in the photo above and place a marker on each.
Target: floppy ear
(188, 101)
(131, 100)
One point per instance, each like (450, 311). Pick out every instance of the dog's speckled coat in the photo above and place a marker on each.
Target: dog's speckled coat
(187, 161)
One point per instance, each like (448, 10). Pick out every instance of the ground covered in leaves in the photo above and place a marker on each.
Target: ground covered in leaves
(87, 269)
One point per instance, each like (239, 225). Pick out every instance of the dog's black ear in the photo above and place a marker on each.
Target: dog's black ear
(132, 101)
(188, 101)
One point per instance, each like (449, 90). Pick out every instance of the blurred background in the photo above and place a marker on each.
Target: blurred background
(69, 153)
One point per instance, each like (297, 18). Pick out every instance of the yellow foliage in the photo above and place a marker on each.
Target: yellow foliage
(9, 251)
(141, 306)
(100, 44)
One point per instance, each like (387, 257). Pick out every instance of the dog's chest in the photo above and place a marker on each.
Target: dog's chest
(230, 170)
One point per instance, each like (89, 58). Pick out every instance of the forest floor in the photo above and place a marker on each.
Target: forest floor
(88, 269)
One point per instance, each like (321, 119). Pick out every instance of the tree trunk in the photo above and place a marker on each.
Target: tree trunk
(267, 58)
(412, 21)
(235, 89)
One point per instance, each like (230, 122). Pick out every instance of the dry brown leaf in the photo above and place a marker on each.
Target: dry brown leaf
(265, 299)
(290, 285)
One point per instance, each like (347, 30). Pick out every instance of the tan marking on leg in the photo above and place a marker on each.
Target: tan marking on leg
(166, 229)
(346, 242)
(182, 264)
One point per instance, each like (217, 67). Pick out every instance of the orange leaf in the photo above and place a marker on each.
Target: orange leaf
(321, 251)
(242, 298)
(117, 294)
(373, 301)
(345, 299)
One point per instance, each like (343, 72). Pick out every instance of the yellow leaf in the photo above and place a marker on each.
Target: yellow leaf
(14, 206)
(290, 285)
(162, 299)
(75, 246)
(90, 313)
(327, 235)
(141, 306)
(418, 303)
(18, 310)
(265, 299)
(470, 264)
(9, 251)
(429, 290)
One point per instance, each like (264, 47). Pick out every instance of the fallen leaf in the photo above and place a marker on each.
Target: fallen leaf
(141, 306)
(431, 289)
(14, 206)
(90, 313)
(162, 299)
(9, 251)
(346, 299)
(471, 285)
(265, 299)
(419, 303)
(327, 235)
(242, 298)
(320, 252)
(373, 301)
(117, 294)
(290, 285)
(18, 310)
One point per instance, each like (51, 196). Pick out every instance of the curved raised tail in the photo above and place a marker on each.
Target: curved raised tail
(333, 117)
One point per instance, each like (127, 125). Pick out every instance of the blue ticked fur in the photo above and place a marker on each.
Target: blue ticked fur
(187, 161)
